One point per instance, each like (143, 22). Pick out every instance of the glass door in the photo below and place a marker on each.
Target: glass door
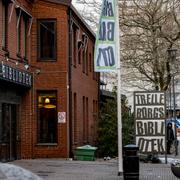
(8, 132)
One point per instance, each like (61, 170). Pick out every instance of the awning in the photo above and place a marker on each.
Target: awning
(7, 1)
(23, 11)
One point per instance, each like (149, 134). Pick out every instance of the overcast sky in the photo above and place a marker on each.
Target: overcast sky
(75, 4)
(128, 93)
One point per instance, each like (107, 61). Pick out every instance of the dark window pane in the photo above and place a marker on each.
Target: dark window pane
(47, 40)
(4, 26)
(25, 37)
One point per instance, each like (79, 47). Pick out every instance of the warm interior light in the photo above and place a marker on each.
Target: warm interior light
(49, 106)
(47, 100)
(39, 99)
(40, 105)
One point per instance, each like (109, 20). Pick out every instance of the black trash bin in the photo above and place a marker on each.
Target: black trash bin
(130, 162)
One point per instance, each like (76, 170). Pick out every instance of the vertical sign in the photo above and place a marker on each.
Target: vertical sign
(107, 57)
(105, 54)
(149, 108)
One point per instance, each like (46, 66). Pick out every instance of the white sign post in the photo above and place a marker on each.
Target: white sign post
(107, 56)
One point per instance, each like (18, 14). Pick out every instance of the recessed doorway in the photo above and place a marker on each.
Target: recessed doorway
(9, 139)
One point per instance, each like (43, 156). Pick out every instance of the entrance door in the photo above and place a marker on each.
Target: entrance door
(8, 132)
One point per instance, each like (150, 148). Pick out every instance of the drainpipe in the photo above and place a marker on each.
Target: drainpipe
(70, 82)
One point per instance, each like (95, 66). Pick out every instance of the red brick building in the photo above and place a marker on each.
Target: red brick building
(48, 89)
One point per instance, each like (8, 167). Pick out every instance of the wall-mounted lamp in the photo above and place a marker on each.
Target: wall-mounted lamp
(38, 71)
(26, 66)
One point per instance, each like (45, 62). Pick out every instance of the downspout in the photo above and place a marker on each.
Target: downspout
(70, 83)
(98, 113)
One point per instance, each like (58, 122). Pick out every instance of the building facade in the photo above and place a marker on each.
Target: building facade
(15, 79)
(48, 90)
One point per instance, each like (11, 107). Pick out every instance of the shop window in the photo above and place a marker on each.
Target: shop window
(47, 117)
(47, 39)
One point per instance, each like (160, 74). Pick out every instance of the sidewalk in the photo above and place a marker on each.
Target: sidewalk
(61, 169)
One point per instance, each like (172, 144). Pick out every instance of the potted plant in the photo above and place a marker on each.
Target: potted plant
(175, 168)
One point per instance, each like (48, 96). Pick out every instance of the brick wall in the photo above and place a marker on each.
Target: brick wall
(53, 75)
(84, 85)
(25, 104)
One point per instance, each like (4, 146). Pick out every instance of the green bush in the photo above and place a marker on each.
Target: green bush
(107, 127)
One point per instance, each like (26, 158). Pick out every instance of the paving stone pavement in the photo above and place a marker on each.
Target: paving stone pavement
(62, 169)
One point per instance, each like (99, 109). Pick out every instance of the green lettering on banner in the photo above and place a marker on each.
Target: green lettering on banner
(105, 54)
(108, 9)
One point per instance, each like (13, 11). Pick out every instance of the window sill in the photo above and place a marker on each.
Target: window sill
(46, 144)
(46, 60)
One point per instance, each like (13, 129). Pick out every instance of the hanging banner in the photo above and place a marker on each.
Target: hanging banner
(105, 54)
(150, 112)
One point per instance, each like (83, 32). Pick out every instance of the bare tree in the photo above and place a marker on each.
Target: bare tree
(149, 29)
(90, 11)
